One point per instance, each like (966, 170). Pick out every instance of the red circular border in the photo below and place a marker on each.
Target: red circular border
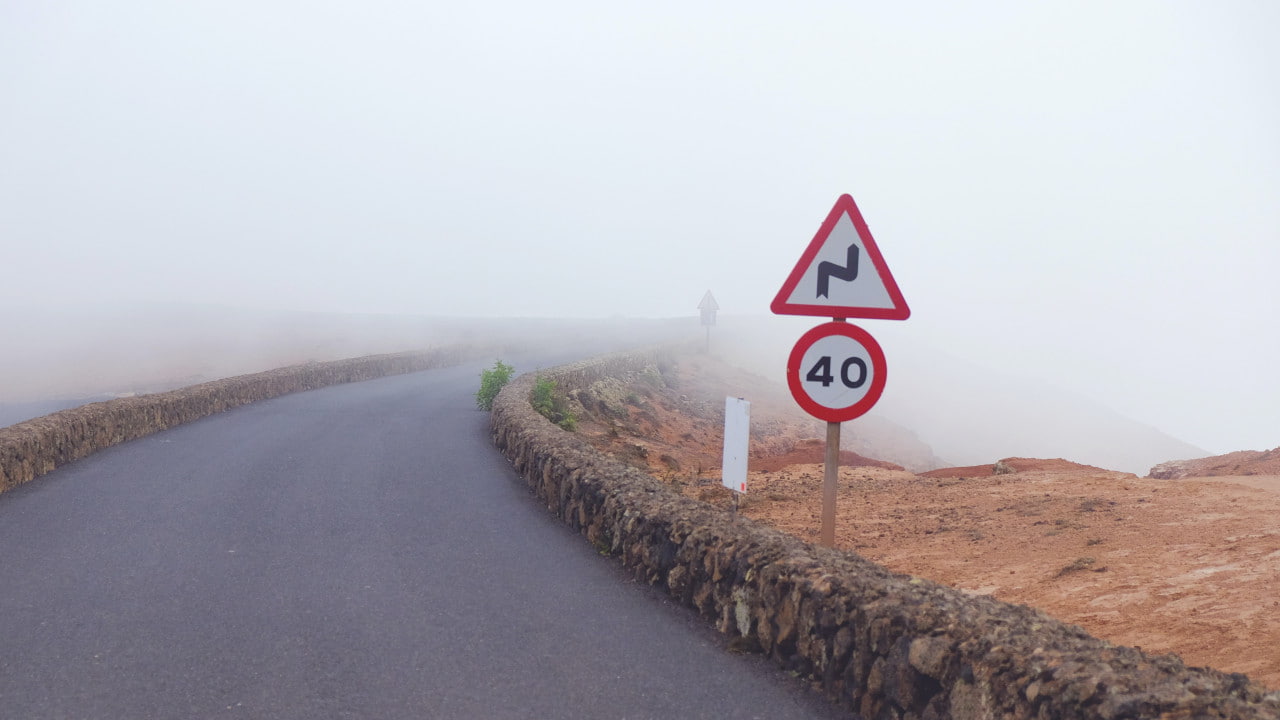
(878, 366)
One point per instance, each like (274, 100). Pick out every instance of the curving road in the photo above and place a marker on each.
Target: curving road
(360, 551)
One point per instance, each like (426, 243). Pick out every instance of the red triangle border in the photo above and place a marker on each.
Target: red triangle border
(844, 204)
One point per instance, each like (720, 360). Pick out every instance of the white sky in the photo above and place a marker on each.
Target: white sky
(1083, 192)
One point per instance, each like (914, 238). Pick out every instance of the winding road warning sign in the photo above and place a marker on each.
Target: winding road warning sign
(836, 372)
(842, 274)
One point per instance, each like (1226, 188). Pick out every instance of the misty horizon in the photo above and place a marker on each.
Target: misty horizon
(965, 413)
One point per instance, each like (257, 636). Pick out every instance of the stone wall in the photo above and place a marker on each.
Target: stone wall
(35, 447)
(882, 644)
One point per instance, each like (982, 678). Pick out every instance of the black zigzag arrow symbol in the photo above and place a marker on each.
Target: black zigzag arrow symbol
(846, 272)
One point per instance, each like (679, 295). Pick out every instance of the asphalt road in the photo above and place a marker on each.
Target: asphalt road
(360, 551)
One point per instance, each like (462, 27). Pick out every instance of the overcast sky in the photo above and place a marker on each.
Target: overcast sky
(1087, 193)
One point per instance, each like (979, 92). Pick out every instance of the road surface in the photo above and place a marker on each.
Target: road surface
(360, 551)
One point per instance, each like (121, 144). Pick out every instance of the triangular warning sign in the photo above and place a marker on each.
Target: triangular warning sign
(842, 273)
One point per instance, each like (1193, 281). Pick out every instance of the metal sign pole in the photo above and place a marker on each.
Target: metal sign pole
(830, 477)
(830, 480)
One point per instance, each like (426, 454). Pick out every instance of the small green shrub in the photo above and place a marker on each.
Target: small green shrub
(541, 395)
(491, 381)
(550, 403)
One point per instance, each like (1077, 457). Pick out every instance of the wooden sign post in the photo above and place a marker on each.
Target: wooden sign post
(837, 371)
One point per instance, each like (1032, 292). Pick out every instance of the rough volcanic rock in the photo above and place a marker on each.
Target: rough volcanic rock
(1008, 466)
(1243, 462)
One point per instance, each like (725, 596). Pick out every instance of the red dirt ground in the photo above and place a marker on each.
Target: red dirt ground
(812, 451)
(1190, 566)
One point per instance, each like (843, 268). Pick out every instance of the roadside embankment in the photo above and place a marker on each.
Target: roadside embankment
(32, 448)
(883, 644)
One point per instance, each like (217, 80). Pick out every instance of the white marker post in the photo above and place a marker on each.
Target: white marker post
(737, 436)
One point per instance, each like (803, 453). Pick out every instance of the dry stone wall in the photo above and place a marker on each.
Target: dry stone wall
(35, 447)
(884, 645)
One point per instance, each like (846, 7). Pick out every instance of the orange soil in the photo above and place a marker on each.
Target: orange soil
(814, 451)
(1190, 566)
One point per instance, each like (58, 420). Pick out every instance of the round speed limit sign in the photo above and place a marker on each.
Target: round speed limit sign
(836, 371)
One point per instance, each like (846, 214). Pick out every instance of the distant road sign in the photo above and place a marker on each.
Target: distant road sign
(842, 274)
(708, 306)
(836, 372)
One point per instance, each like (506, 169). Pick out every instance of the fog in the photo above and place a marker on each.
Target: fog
(1075, 196)
(966, 414)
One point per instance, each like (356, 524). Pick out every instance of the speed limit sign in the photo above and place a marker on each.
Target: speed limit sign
(836, 372)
